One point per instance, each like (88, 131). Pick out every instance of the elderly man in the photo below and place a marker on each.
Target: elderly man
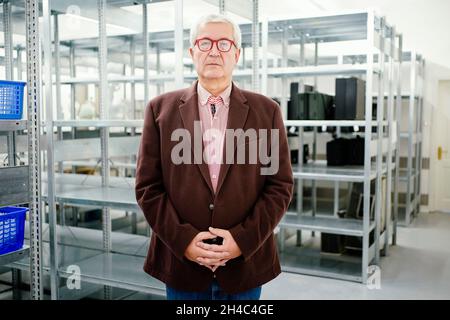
(211, 209)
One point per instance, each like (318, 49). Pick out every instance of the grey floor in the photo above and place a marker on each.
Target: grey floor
(418, 267)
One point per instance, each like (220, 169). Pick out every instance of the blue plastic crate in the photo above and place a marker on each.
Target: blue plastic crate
(12, 225)
(11, 99)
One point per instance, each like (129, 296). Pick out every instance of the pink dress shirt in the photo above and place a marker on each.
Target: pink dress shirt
(213, 130)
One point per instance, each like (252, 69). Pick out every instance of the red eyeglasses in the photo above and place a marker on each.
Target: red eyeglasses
(206, 44)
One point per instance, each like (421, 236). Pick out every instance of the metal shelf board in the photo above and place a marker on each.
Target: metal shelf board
(117, 270)
(119, 198)
(14, 185)
(404, 95)
(68, 181)
(307, 71)
(351, 227)
(124, 243)
(320, 171)
(328, 123)
(403, 175)
(331, 123)
(15, 255)
(67, 255)
(323, 70)
(152, 78)
(13, 125)
(416, 137)
(336, 26)
(312, 262)
(93, 163)
(99, 123)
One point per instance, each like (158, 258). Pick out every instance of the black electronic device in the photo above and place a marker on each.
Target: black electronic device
(343, 151)
(332, 243)
(216, 240)
(350, 98)
(294, 155)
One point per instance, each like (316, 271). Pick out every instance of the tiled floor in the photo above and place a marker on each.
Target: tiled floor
(417, 268)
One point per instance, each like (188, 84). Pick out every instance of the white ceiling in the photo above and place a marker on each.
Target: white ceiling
(423, 23)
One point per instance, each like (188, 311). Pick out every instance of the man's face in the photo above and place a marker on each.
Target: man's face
(215, 64)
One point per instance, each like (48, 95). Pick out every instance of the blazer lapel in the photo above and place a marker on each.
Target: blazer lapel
(189, 114)
(237, 116)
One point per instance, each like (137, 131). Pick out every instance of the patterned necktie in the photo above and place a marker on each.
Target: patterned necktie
(213, 101)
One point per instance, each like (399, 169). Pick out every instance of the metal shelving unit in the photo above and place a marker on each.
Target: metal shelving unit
(107, 265)
(380, 38)
(411, 135)
(21, 182)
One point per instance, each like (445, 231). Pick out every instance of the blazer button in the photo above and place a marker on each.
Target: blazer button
(211, 206)
(214, 275)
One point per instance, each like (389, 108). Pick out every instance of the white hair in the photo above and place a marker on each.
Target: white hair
(215, 18)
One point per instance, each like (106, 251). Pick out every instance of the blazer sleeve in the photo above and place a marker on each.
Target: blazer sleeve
(151, 194)
(272, 203)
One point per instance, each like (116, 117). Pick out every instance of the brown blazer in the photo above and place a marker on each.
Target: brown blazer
(178, 200)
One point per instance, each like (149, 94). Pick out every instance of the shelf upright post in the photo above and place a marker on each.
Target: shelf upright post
(47, 43)
(33, 102)
(72, 70)
(314, 151)
(9, 72)
(412, 97)
(19, 63)
(145, 49)
(367, 143)
(159, 85)
(11, 138)
(300, 143)
(133, 84)
(145, 41)
(59, 115)
(7, 32)
(420, 129)
(104, 140)
(380, 135)
(390, 134)
(179, 44)
(398, 102)
(284, 64)
(222, 6)
(255, 46)
(264, 47)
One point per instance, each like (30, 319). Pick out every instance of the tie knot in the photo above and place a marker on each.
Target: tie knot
(214, 100)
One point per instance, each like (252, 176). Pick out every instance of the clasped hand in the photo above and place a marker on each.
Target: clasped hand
(212, 256)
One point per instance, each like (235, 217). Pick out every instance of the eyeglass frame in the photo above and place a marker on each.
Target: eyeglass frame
(212, 44)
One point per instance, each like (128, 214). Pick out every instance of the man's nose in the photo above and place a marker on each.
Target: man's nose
(214, 51)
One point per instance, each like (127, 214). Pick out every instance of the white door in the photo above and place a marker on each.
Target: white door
(441, 152)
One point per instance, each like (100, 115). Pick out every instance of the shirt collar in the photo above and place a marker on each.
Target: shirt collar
(204, 94)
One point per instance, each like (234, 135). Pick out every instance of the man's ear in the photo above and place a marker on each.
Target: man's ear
(237, 54)
(191, 53)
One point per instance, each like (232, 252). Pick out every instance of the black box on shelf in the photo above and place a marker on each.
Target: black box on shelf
(337, 150)
(294, 155)
(353, 244)
(332, 243)
(293, 110)
(343, 151)
(309, 105)
(355, 208)
(316, 105)
(356, 151)
(350, 98)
